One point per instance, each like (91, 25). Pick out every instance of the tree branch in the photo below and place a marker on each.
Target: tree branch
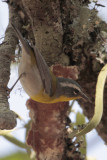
(7, 49)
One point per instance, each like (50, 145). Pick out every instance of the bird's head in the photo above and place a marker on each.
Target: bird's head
(69, 89)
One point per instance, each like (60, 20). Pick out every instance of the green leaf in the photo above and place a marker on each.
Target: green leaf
(15, 141)
(17, 156)
(80, 119)
(98, 110)
(83, 146)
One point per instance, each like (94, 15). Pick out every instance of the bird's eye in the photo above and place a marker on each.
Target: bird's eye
(76, 92)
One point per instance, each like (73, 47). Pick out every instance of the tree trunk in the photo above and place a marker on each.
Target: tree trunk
(68, 33)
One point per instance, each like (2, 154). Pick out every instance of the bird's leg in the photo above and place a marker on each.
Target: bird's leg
(10, 89)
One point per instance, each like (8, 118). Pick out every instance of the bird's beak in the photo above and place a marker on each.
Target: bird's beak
(84, 96)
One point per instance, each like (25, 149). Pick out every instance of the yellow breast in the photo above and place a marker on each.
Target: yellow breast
(44, 98)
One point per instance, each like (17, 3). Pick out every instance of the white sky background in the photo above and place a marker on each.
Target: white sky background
(96, 147)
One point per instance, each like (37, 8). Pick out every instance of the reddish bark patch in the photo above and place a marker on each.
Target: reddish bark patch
(48, 128)
(65, 71)
(48, 125)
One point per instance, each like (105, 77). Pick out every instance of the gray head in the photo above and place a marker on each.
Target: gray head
(69, 88)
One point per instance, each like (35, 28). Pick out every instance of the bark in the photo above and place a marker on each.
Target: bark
(7, 49)
(48, 128)
(67, 33)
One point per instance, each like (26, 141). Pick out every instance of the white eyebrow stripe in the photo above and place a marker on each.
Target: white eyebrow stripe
(70, 85)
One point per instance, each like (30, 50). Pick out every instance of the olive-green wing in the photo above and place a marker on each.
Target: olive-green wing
(25, 44)
(44, 71)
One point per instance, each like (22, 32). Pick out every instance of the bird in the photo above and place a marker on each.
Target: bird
(39, 82)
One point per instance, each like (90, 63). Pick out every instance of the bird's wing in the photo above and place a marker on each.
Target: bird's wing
(44, 72)
(41, 64)
(25, 45)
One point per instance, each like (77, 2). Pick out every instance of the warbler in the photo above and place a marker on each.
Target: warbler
(39, 82)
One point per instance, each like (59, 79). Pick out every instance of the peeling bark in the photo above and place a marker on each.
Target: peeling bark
(48, 129)
(47, 135)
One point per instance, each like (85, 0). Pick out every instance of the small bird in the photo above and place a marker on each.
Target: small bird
(39, 82)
